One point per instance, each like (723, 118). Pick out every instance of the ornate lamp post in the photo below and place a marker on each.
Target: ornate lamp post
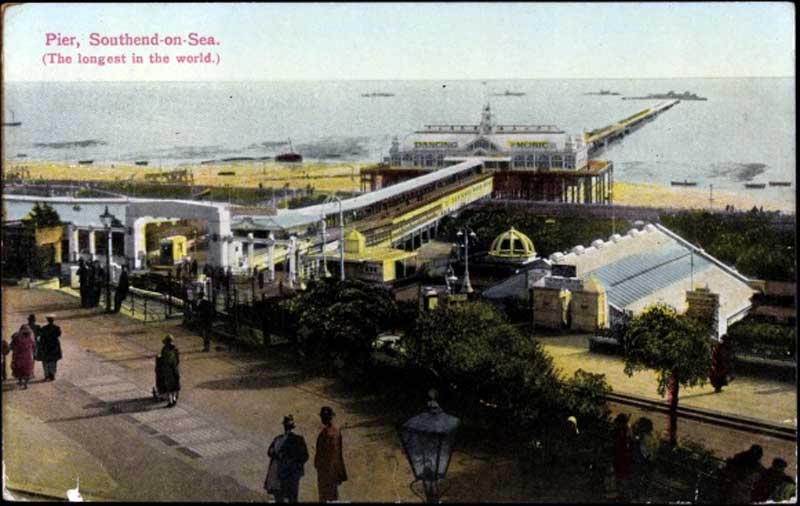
(466, 234)
(107, 219)
(428, 444)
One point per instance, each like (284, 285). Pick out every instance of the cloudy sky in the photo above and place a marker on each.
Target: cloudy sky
(410, 41)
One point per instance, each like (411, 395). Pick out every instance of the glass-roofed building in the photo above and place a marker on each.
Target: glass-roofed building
(541, 147)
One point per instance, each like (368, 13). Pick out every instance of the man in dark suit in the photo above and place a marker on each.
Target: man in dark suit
(288, 454)
(83, 279)
(50, 348)
(123, 286)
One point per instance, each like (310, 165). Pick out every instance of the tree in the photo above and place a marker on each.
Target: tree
(341, 319)
(472, 350)
(42, 215)
(675, 346)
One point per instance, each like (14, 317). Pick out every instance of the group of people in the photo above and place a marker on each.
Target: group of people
(92, 278)
(31, 343)
(635, 449)
(744, 479)
(288, 454)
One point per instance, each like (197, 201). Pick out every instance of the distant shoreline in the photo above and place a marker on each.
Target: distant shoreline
(344, 177)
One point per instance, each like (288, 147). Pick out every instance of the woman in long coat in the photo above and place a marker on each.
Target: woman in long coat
(168, 377)
(22, 345)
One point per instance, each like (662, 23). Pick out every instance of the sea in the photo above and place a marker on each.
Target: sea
(744, 133)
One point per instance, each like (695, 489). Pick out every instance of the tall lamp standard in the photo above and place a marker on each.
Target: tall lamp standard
(428, 444)
(341, 233)
(107, 219)
(323, 226)
(466, 234)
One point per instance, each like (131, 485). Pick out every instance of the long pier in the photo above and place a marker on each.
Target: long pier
(601, 137)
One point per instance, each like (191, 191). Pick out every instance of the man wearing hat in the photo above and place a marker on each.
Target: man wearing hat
(49, 348)
(329, 461)
(288, 455)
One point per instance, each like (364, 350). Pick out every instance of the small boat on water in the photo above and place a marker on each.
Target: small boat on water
(21, 155)
(755, 186)
(141, 162)
(289, 156)
(780, 183)
(13, 121)
(509, 93)
(683, 183)
(85, 162)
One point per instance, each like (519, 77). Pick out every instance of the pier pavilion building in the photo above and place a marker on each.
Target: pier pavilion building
(529, 162)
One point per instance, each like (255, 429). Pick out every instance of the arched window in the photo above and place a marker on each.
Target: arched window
(428, 160)
(557, 162)
(530, 163)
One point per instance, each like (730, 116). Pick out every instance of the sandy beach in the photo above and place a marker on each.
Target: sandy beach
(345, 177)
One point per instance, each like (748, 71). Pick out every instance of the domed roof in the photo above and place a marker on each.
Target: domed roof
(512, 244)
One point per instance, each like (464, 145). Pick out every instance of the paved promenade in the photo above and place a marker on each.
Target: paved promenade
(97, 422)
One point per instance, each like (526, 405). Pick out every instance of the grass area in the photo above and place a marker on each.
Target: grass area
(323, 177)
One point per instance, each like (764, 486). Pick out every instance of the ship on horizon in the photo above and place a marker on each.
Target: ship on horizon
(377, 94)
(671, 95)
(509, 93)
(602, 92)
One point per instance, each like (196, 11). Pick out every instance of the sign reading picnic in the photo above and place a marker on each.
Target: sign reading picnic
(125, 49)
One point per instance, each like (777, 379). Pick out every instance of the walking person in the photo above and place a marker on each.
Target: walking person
(719, 374)
(100, 284)
(36, 329)
(22, 356)
(329, 461)
(205, 319)
(50, 348)
(123, 285)
(739, 476)
(83, 280)
(288, 454)
(91, 280)
(168, 377)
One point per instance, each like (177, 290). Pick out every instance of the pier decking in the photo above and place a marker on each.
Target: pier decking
(601, 137)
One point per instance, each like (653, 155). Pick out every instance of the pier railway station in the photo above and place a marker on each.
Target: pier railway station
(401, 216)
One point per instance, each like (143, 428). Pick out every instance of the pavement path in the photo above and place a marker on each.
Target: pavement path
(98, 421)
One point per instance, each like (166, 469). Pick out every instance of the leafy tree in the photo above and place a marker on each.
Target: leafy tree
(42, 215)
(340, 320)
(675, 346)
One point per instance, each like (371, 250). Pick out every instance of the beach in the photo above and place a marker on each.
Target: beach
(345, 177)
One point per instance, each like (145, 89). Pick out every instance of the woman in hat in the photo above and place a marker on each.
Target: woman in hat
(168, 377)
(22, 344)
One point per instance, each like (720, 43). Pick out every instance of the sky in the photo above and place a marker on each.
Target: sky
(380, 41)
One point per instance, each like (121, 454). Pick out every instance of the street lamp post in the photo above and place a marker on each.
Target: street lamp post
(341, 233)
(466, 234)
(325, 272)
(427, 440)
(108, 219)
